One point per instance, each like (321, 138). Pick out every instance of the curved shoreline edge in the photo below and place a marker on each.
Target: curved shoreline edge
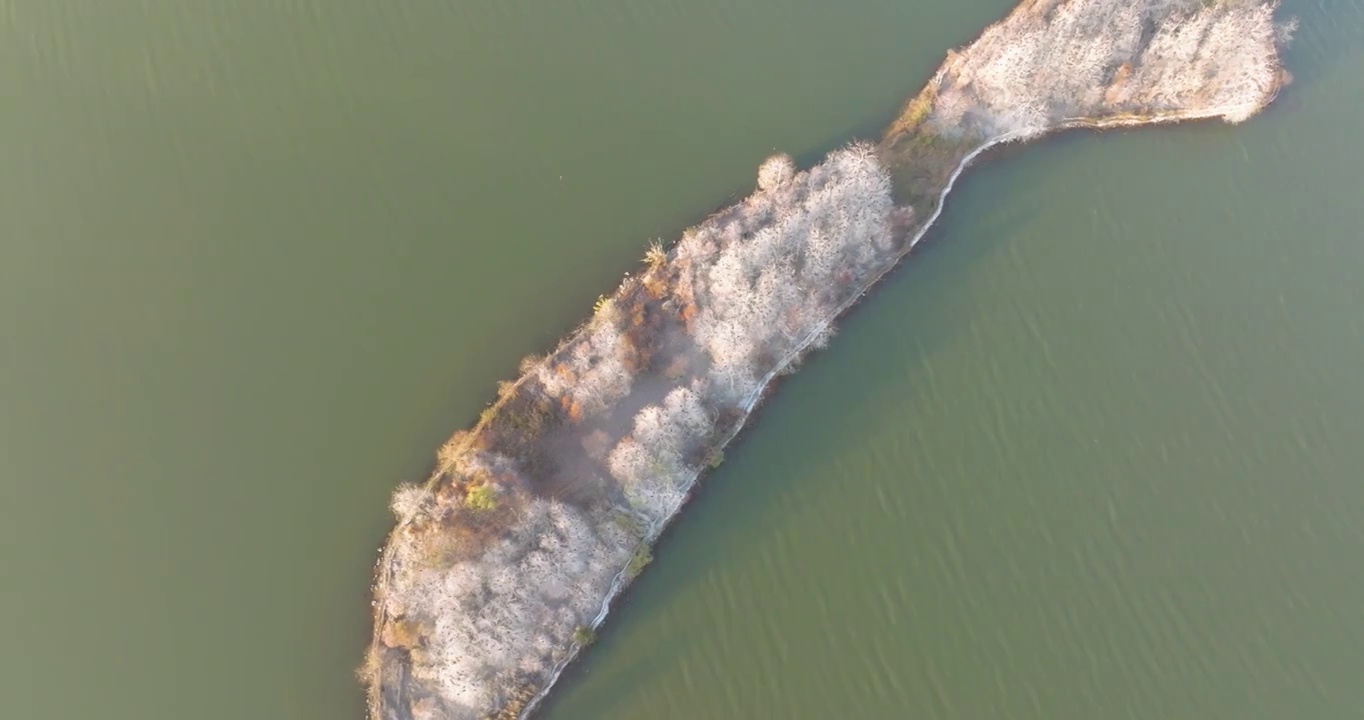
(966, 109)
(620, 584)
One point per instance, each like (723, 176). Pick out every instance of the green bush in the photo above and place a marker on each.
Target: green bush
(481, 497)
(641, 560)
(584, 635)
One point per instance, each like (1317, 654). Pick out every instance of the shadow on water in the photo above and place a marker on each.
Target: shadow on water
(741, 497)
(1327, 31)
(935, 267)
(605, 695)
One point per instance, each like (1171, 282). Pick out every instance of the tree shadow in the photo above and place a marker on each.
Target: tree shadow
(1322, 41)
(602, 697)
(739, 496)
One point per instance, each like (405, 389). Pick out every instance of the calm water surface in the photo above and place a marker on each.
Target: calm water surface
(1097, 451)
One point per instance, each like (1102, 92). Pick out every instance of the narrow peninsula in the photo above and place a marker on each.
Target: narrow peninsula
(504, 562)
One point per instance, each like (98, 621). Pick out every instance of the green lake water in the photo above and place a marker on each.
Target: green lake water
(1096, 451)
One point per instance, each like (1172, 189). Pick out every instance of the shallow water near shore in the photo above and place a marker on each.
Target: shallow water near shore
(1094, 451)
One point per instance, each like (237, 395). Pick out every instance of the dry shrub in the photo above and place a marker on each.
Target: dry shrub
(688, 315)
(643, 335)
(425, 709)
(444, 547)
(529, 363)
(592, 370)
(449, 453)
(407, 500)
(487, 416)
(517, 700)
(573, 410)
(678, 368)
(1102, 58)
(655, 285)
(522, 421)
(503, 617)
(915, 112)
(834, 218)
(473, 515)
(596, 444)
(404, 634)
(371, 667)
(776, 170)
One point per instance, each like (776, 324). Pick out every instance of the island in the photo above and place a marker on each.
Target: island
(506, 560)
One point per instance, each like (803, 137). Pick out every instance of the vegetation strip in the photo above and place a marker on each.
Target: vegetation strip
(506, 560)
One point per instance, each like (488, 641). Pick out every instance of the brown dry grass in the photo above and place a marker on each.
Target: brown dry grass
(403, 634)
(920, 163)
